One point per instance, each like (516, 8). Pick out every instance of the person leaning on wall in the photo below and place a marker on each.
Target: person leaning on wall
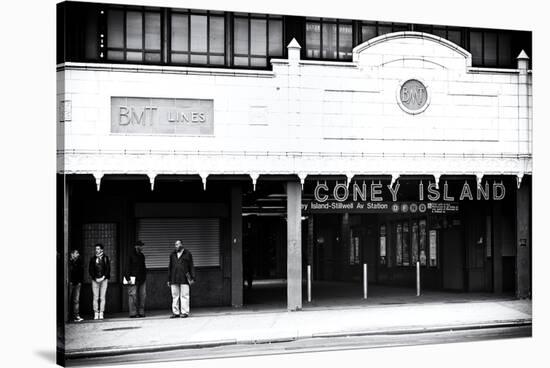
(181, 274)
(135, 280)
(100, 272)
(76, 277)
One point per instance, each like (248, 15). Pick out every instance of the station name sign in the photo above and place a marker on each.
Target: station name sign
(332, 206)
(175, 116)
(374, 192)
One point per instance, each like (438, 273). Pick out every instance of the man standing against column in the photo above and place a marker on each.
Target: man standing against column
(135, 279)
(181, 274)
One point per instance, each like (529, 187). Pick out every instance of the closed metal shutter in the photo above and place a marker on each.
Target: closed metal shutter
(200, 235)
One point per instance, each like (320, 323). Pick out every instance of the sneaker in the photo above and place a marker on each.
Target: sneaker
(184, 315)
(141, 315)
(96, 315)
(100, 315)
(174, 316)
(78, 319)
(134, 316)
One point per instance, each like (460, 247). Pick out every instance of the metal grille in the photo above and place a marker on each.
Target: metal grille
(200, 236)
(106, 234)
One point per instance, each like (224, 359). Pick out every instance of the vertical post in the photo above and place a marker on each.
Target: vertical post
(236, 247)
(524, 114)
(417, 278)
(309, 283)
(65, 254)
(365, 281)
(523, 239)
(294, 245)
(62, 267)
(498, 226)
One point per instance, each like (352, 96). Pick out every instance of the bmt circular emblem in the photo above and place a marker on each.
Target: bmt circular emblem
(413, 97)
(395, 207)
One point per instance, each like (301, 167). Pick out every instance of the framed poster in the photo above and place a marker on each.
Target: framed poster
(433, 248)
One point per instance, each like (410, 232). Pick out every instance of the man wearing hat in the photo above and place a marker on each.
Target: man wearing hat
(135, 279)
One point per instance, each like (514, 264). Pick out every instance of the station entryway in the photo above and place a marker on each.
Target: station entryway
(464, 247)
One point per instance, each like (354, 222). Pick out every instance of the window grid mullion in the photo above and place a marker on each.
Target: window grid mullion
(143, 36)
(188, 37)
(207, 37)
(337, 40)
(124, 33)
(266, 39)
(249, 42)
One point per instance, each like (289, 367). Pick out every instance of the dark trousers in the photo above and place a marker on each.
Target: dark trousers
(136, 298)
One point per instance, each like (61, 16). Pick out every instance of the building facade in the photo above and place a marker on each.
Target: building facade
(270, 143)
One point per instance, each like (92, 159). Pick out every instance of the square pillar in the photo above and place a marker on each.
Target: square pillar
(62, 266)
(523, 240)
(236, 246)
(294, 245)
(497, 247)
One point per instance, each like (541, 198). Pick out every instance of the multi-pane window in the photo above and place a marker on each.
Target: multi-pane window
(256, 38)
(382, 243)
(411, 243)
(491, 48)
(197, 37)
(374, 29)
(399, 244)
(134, 35)
(422, 242)
(105, 234)
(453, 34)
(354, 257)
(406, 245)
(329, 39)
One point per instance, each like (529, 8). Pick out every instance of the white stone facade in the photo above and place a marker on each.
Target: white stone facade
(310, 117)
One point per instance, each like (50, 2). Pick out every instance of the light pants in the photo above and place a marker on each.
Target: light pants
(136, 299)
(99, 289)
(74, 297)
(180, 294)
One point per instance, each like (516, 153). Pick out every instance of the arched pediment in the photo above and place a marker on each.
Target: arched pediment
(384, 50)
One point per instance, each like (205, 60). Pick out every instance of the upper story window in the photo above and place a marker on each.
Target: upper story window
(197, 37)
(134, 35)
(453, 34)
(93, 32)
(329, 39)
(374, 29)
(256, 38)
(491, 48)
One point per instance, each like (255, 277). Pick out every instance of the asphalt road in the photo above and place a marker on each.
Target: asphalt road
(313, 344)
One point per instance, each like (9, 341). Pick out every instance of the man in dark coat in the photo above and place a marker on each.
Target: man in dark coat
(76, 277)
(181, 273)
(100, 273)
(135, 278)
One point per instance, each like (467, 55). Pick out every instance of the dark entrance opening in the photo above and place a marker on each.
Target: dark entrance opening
(265, 246)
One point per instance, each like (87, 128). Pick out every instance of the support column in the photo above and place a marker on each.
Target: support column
(62, 267)
(294, 246)
(497, 247)
(310, 240)
(236, 247)
(524, 116)
(523, 240)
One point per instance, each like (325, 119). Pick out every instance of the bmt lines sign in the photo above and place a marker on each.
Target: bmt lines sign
(174, 116)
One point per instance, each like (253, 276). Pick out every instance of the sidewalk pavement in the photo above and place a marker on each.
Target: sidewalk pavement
(214, 328)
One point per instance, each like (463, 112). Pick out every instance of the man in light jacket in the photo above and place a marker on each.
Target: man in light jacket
(181, 273)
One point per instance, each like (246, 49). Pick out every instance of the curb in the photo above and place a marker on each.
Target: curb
(114, 351)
